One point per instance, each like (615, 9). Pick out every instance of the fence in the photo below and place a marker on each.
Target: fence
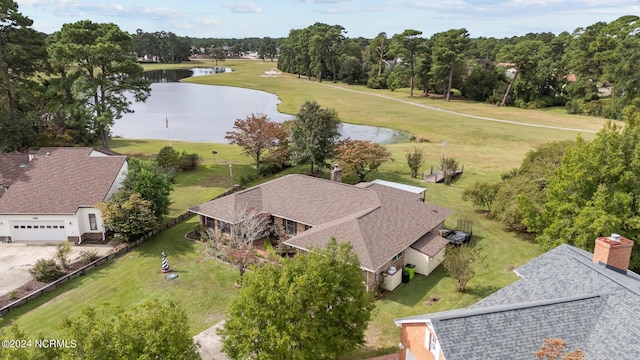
(103, 260)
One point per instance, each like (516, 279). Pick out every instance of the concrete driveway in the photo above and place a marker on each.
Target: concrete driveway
(17, 259)
(210, 344)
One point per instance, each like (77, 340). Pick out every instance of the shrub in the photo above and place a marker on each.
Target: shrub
(188, 162)
(46, 270)
(167, 158)
(89, 256)
(63, 250)
(267, 169)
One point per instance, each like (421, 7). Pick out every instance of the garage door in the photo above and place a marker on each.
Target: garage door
(38, 231)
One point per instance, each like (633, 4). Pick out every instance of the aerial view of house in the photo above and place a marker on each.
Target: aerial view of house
(50, 196)
(585, 299)
(387, 226)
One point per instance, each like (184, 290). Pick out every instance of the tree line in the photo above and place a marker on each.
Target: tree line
(571, 192)
(589, 71)
(66, 88)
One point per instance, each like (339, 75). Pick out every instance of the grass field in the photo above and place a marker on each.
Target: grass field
(205, 287)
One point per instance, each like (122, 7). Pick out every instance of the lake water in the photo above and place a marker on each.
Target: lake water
(204, 113)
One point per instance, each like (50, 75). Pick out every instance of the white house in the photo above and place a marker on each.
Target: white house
(53, 197)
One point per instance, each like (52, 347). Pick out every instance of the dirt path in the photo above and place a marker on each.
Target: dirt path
(484, 118)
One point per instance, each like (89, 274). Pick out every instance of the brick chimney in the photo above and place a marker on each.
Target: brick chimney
(613, 252)
(336, 173)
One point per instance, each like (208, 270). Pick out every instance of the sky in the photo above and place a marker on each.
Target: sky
(360, 18)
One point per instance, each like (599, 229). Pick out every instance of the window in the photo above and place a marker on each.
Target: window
(93, 224)
(431, 343)
(290, 227)
(224, 227)
(397, 256)
(208, 223)
(55, 226)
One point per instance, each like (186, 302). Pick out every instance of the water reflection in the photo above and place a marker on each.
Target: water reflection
(175, 75)
(205, 113)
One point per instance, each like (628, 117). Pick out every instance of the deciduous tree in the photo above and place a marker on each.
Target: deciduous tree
(360, 156)
(310, 306)
(481, 194)
(144, 178)
(314, 133)
(594, 192)
(255, 134)
(128, 215)
(251, 226)
(462, 263)
(415, 160)
(449, 167)
(153, 330)
(522, 192)
(527, 56)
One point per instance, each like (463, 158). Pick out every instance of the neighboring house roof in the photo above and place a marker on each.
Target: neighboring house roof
(60, 180)
(378, 220)
(562, 294)
(11, 165)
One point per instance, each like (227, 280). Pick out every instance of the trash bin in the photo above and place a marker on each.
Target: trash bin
(411, 269)
(405, 276)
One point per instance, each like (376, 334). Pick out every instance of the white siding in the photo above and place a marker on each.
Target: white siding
(83, 220)
(117, 184)
(424, 263)
(7, 223)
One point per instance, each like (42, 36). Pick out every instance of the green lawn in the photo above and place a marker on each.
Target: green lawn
(205, 287)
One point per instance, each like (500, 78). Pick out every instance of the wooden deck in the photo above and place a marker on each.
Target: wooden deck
(438, 177)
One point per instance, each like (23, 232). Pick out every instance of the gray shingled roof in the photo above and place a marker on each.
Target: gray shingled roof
(59, 180)
(562, 294)
(378, 220)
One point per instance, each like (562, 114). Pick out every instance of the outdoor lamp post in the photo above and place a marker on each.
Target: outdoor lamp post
(230, 171)
(444, 143)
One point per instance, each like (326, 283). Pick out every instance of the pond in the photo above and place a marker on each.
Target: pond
(204, 113)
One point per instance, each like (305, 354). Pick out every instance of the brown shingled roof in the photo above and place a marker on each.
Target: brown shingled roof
(378, 220)
(381, 233)
(59, 180)
(10, 167)
(430, 244)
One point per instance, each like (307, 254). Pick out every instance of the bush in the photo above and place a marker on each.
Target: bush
(89, 256)
(167, 158)
(63, 251)
(188, 162)
(267, 169)
(46, 270)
